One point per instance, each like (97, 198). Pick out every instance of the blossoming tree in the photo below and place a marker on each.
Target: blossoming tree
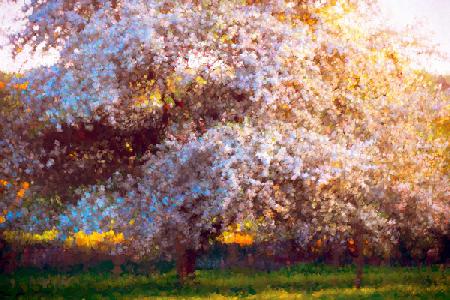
(170, 121)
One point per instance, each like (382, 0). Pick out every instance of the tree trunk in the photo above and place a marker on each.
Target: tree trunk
(250, 260)
(359, 259)
(186, 265)
(185, 262)
(336, 255)
(386, 260)
(233, 254)
(85, 258)
(117, 260)
(11, 261)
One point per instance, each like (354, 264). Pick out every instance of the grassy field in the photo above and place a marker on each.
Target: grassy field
(299, 282)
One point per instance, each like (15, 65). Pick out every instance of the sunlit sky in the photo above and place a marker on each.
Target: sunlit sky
(433, 15)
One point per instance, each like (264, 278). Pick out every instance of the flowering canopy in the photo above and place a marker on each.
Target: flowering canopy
(170, 121)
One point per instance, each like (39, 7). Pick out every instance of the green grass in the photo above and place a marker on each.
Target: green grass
(299, 282)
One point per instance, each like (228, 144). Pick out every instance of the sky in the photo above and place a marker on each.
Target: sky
(433, 15)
